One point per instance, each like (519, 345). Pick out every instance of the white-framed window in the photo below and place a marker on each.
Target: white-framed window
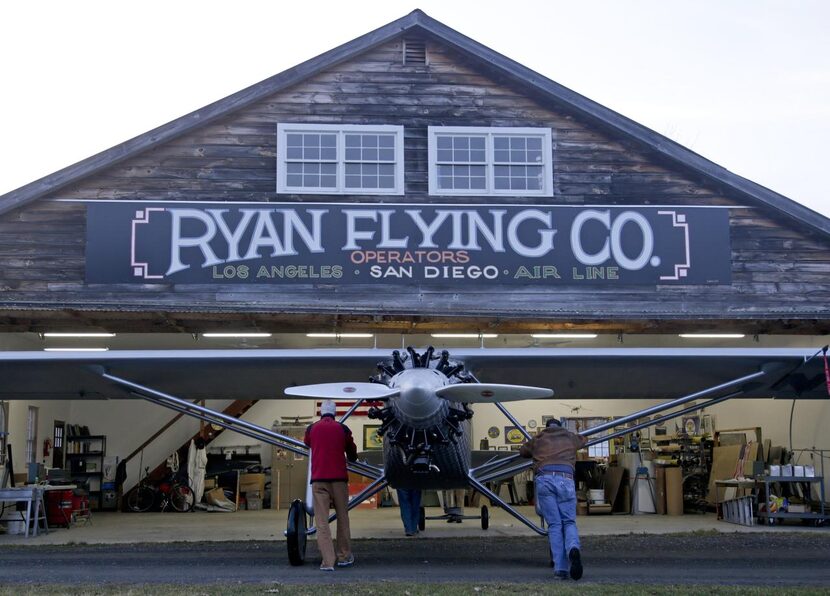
(340, 159)
(31, 435)
(466, 160)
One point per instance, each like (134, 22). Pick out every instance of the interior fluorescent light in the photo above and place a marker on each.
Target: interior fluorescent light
(465, 335)
(336, 335)
(712, 335)
(236, 335)
(75, 349)
(52, 334)
(564, 335)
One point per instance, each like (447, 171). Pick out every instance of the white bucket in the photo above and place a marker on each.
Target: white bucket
(596, 495)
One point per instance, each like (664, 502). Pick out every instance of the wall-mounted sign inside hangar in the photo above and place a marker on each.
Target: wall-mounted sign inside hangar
(193, 243)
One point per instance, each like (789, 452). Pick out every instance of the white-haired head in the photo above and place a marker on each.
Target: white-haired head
(328, 408)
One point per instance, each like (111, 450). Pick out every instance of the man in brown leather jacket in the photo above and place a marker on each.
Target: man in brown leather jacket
(553, 450)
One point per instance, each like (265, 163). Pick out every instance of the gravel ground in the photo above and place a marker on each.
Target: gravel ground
(785, 559)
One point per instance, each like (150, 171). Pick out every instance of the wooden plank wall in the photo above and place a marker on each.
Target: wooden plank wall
(780, 271)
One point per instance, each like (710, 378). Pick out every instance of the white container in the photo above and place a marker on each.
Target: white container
(596, 495)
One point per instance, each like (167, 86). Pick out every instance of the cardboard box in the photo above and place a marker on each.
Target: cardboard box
(251, 483)
(358, 487)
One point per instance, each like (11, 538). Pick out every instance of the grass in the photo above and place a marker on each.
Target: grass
(398, 588)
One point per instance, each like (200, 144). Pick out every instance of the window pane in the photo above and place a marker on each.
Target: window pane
(387, 141)
(501, 156)
(534, 144)
(444, 155)
(477, 155)
(329, 168)
(370, 140)
(294, 140)
(370, 182)
(311, 153)
(501, 143)
(352, 181)
(328, 153)
(370, 154)
(461, 143)
(352, 141)
(294, 153)
(386, 169)
(461, 155)
(477, 143)
(328, 181)
(517, 143)
(352, 154)
(444, 142)
(328, 140)
(387, 181)
(386, 155)
(293, 180)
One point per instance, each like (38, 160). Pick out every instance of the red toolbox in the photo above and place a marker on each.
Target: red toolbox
(59, 507)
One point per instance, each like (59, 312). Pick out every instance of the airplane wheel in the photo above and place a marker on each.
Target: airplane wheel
(485, 517)
(422, 519)
(296, 533)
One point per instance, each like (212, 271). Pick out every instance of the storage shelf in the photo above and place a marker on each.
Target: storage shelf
(85, 458)
(792, 515)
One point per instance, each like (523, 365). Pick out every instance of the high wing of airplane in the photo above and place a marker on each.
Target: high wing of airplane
(425, 414)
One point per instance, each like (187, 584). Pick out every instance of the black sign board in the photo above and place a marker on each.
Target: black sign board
(242, 243)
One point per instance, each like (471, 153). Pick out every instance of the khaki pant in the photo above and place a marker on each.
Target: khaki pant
(325, 495)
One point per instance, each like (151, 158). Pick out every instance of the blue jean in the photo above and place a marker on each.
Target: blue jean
(556, 502)
(410, 501)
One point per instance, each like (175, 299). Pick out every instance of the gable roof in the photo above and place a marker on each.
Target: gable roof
(419, 22)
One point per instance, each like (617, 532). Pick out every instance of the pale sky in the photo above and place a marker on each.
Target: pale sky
(745, 83)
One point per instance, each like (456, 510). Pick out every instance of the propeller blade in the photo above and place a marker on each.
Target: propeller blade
(374, 391)
(487, 393)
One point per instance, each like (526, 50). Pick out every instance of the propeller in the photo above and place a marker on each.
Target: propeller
(373, 391)
(488, 393)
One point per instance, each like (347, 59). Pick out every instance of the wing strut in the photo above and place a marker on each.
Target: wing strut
(378, 485)
(496, 469)
(243, 427)
(494, 498)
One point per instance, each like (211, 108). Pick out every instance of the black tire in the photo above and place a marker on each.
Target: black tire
(182, 498)
(296, 533)
(422, 519)
(141, 499)
(485, 517)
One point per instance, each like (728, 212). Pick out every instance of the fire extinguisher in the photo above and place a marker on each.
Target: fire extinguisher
(47, 446)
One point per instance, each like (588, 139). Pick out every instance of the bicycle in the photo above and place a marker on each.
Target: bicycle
(175, 493)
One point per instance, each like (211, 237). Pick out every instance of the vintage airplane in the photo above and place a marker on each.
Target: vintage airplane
(425, 397)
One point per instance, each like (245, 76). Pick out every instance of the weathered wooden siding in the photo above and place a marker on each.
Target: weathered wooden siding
(780, 269)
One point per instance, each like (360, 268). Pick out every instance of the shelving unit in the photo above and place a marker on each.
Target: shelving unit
(85, 460)
(818, 518)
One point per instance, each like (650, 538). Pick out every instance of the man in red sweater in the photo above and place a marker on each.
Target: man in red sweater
(331, 442)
